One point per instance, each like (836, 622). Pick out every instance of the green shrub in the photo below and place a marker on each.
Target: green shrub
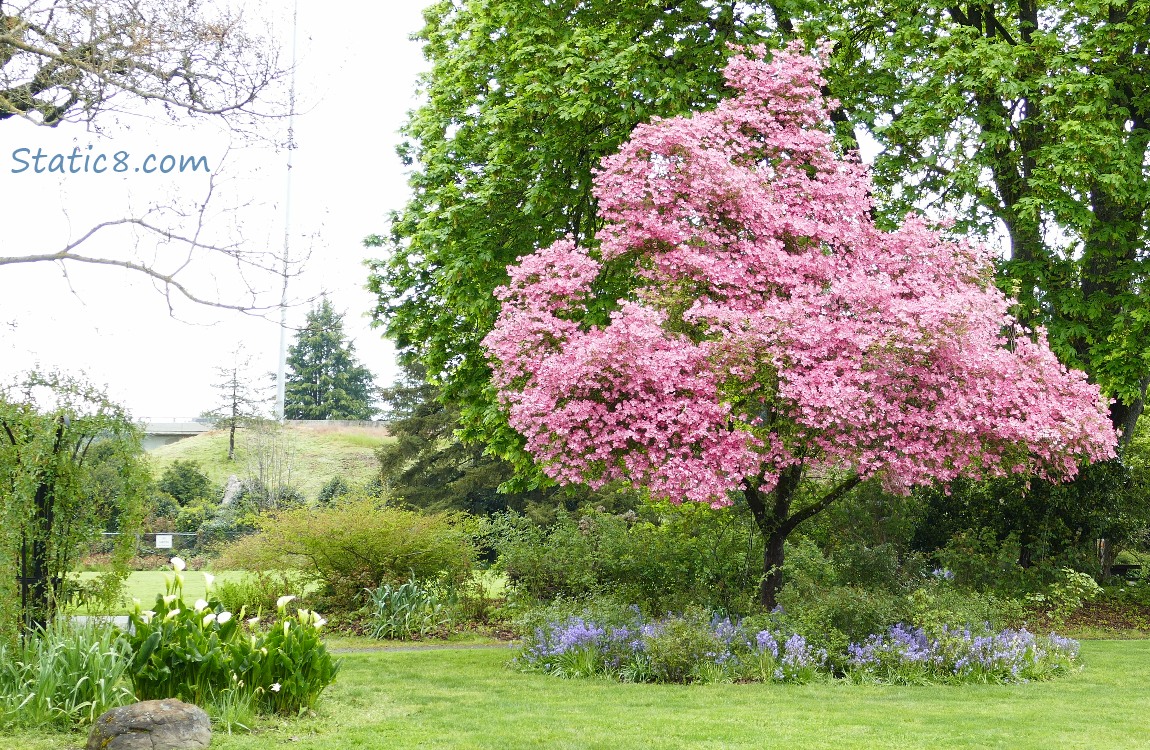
(671, 558)
(163, 505)
(822, 599)
(526, 617)
(1065, 595)
(186, 482)
(356, 545)
(201, 651)
(982, 562)
(938, 605)
(680, 645)
(191, 517)
(335, 488)
(63, 676)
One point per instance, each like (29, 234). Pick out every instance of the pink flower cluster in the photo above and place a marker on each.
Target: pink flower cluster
(770, 322)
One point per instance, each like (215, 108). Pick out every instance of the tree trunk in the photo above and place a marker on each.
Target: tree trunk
(232, 440)
(777, 522)
(772, 570)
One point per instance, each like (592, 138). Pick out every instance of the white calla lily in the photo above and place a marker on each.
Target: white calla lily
(178, 564)
(209, 580)
(200, 605)
(224, 617)
(283, 601)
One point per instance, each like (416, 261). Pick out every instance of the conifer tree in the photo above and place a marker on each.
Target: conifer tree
(324, 379)
(238, 405)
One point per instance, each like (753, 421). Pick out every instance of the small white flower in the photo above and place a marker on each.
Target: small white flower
(200, 605)
(137, 604)
(178, 564)
(147, 615)
(224, 617)
(172, 614)
(170, 598)
(275, 688)
(303, 615)
(252, 622)
(318, 623)
(209, 618)
(209, 580)
(283, 601)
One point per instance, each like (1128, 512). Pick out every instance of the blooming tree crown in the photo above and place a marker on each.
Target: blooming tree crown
(741, 313)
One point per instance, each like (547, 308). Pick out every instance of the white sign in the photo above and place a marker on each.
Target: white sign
(163, 541)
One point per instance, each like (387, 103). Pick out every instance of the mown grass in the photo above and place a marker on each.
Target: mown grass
(469, 699)
(146, 584)
(319, 453)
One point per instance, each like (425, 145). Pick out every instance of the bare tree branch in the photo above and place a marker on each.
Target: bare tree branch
(72, 60)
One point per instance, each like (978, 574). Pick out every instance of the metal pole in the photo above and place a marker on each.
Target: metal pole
(281, 373)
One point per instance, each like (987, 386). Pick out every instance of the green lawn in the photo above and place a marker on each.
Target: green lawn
(469, 699)
(317, 455)
(146, 584)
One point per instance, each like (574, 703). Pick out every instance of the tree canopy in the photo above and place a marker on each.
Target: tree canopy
(742, 326)
(523, 100)
(1025, 117)
(1032, 117)
(324, 378)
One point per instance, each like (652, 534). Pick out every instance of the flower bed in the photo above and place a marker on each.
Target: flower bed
(904, 655)
(692, 648)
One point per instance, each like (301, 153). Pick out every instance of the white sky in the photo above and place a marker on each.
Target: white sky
(356, 79)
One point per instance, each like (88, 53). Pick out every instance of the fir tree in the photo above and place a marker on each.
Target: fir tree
(238, 405)
(324, 379)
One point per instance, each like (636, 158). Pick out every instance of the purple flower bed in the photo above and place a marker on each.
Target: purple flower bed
(911, 655)
(691, 648)
(673, 649)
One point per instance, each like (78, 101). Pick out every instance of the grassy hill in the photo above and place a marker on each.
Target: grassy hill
(317, 454)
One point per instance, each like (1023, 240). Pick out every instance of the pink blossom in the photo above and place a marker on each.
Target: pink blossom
(772, 322)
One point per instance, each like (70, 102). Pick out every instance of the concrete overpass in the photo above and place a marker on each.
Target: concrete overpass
(160, 433)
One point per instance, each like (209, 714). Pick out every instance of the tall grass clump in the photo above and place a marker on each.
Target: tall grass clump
(408, 610)
(63, 676)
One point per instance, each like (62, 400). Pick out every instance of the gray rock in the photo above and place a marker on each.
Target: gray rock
(232, 489)
(166, 724)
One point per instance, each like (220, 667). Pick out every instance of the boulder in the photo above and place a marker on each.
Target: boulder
(166, 724)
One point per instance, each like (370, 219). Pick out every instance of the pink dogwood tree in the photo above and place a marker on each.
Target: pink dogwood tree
(741, 326)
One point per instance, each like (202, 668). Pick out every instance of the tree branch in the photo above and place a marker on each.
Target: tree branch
(811, 510)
